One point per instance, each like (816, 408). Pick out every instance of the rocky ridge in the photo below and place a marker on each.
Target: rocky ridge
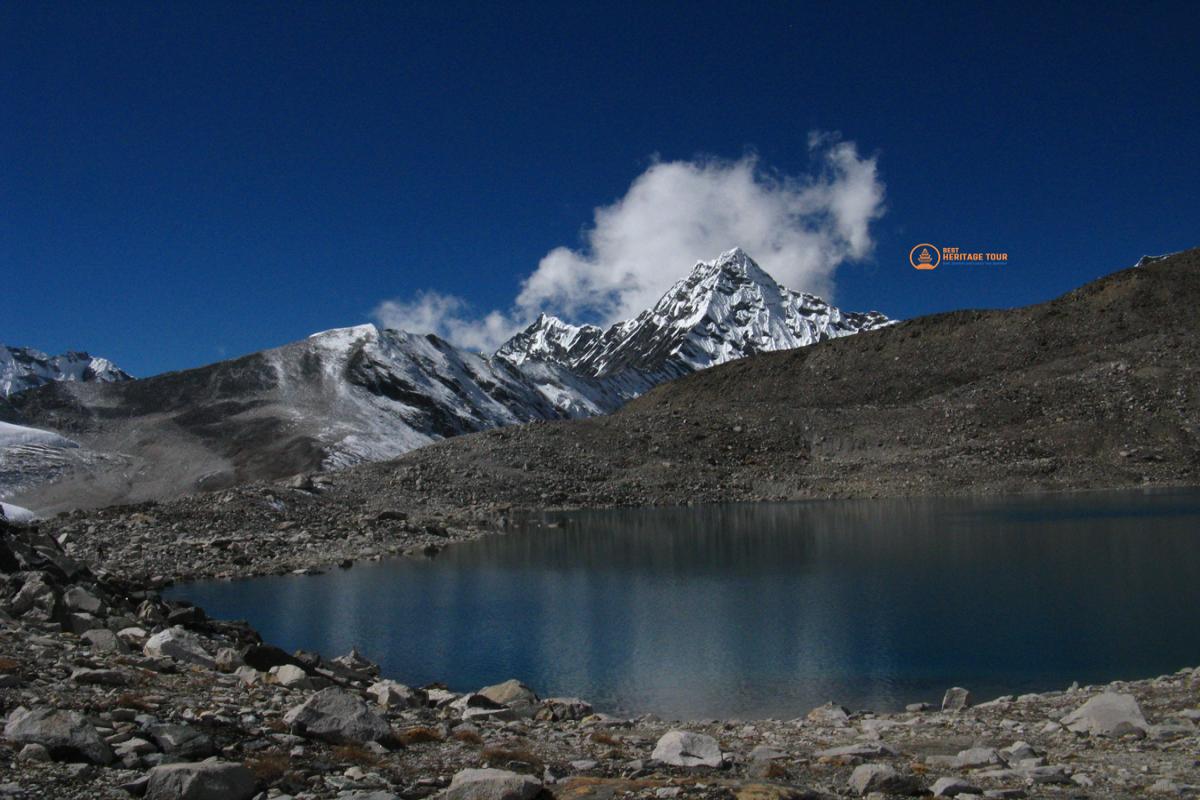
(108, 691)
(23, 368)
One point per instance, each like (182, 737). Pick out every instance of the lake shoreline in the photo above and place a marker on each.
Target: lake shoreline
(279, 529)
(175, 668)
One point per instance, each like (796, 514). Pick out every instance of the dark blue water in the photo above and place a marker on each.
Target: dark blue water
(768, 610)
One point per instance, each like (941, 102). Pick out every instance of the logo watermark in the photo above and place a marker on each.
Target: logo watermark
(928, 256)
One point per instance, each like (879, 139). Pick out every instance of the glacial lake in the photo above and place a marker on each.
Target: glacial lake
(768, 610)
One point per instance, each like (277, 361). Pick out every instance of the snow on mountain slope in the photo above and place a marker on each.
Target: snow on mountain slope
(393, 391)
(335, 399)
(16, 513)
(31, 456)
(726, 309)
(19, 435)
(24, 368)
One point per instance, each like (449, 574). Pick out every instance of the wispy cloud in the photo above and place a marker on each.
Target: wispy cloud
(800, 228)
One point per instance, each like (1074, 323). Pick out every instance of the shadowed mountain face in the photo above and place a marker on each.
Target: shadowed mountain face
(351, 395)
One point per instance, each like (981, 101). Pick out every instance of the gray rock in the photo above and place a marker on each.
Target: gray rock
(978, 757)
(687, 749)
(511, 692)
(393, 695)
(492, 784)
(335, 715)
(66, 735)
(766, 753)
(862, 750)
(829, 714)
(80, 622)
(35, 593)
(79, 599)
(1018, 751)
(1052, 774)
(557, 709)
(868, 778)
(1107, 714)
(182, 741)
(956, 699)
(100, 677)
(228, 659)
(179, 644)
(208, 780)
(34, 752)
(103, 640)
(289, 675)
(952, 787)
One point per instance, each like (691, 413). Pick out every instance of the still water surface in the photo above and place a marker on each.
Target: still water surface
(770, 609)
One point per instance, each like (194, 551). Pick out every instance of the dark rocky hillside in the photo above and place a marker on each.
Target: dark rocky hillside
(1097, 388)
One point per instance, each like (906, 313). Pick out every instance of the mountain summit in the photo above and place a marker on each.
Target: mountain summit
(726, 309)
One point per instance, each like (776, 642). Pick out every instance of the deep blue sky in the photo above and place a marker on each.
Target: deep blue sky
(185, 181)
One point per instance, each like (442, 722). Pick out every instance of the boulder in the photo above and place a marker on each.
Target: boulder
(391, 694)
(207, 780)
(492, 784)
(557, 709)
(687, 749)
(79, 599)
(100, 677)
(868, 778)
(67, 735)
(829, 714)
(264, 656)
(1108, 714)
(511, 693)
(335, 715)
(1018, 751)
(35, 593)
(956, 699)
(179, 644)
(952, 787)
(183, 741)
(289, 675)
(860, 750)
(103, 640)
(228, 659)
(978, 757)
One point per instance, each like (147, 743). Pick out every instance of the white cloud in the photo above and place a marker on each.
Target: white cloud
(800, 229)
(450, 318)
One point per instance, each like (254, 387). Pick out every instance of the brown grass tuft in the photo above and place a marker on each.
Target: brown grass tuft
(503, 756)
(356, 754)
(417, 735)
(9, 664)
(269, 768)
(600, 737)
(276, 724)
(467, 736)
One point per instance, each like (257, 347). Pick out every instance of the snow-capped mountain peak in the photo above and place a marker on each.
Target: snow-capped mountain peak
(24, 368)
(724, 309)
(547, 338)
